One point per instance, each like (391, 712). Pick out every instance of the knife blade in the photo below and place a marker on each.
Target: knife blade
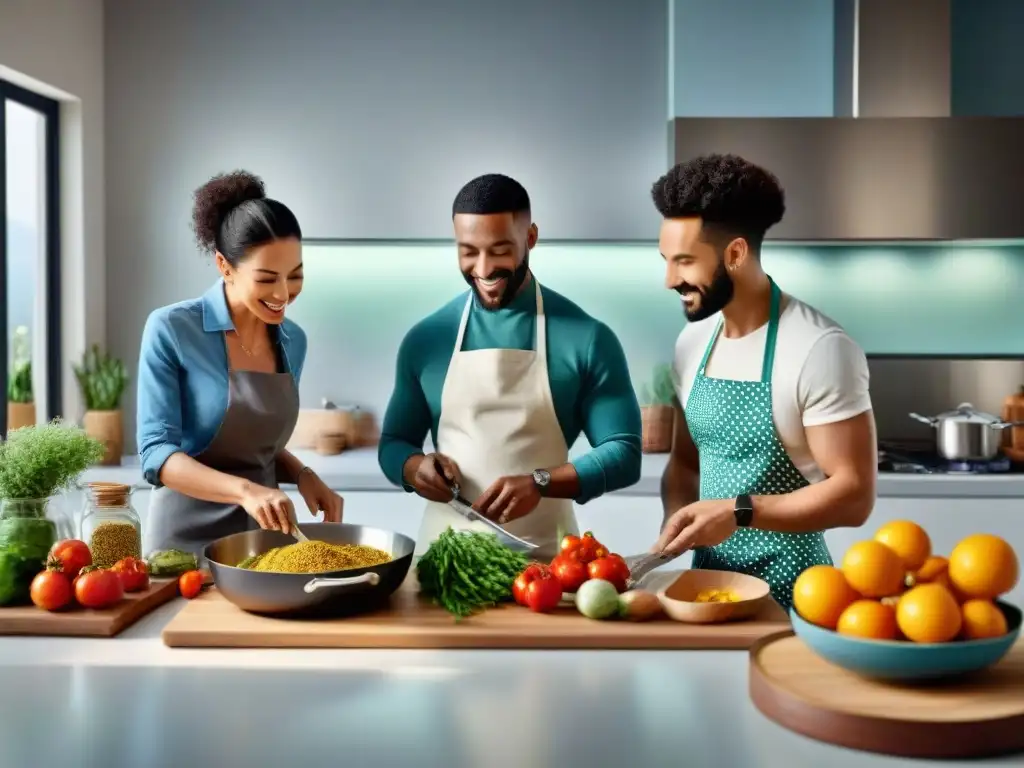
(464, 508)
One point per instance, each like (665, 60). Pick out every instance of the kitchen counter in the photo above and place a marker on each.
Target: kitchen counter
(358, 470)
(130, 701)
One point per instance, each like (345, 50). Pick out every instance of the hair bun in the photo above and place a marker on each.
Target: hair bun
(217, 198)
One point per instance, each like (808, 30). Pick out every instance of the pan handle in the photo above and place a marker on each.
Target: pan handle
(370, 577)
(931, 422)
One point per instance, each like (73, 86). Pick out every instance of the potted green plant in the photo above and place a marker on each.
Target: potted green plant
(102, 380)
(36, 463)
(657, 410)
(21, 407)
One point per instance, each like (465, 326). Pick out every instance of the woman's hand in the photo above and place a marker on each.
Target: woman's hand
(270, 507)
(320, 498)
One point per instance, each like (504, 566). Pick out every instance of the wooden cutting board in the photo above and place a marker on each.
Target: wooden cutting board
(210, 621)
(82, 622)
(977, 716)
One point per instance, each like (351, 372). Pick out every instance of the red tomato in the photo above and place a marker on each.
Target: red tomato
(531, 572)
(99, 589)
(569, 543)
(71, 555)
(51, 590)
(610, 569)
(190, 583)
(544, 594)
(570, 572)
(134, 574)
(587, 550)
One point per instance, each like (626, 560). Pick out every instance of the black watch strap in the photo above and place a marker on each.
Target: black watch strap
(744, 511)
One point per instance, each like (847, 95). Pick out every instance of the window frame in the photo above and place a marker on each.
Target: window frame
(50, 109)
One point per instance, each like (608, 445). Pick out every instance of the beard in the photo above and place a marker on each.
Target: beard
(514, 279)
(713, 298)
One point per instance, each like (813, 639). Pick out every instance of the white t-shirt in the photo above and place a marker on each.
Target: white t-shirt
(820, 374)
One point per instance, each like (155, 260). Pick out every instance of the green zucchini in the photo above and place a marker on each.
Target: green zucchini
(170, 562)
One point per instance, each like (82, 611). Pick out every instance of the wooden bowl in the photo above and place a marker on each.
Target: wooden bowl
(677, 598)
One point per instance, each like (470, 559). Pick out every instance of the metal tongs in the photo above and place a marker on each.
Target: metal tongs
(464, 508)
(640, 565)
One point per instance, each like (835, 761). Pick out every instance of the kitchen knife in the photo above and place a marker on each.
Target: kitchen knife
(464, 508)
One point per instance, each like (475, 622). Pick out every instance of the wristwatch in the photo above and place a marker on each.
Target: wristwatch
(542, 479)
(744, 511)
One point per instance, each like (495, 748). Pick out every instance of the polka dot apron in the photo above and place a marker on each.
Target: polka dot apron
(740, 452)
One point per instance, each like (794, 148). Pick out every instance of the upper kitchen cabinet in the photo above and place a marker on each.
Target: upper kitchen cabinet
(367, 117)
(908, 178)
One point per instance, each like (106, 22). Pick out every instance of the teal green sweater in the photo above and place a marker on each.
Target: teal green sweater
(587, 368)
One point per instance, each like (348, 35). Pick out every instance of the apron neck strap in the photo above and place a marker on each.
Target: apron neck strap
(769, 345)
(773, 332)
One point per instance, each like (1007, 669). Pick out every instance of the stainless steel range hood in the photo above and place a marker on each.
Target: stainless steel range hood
(895, 165)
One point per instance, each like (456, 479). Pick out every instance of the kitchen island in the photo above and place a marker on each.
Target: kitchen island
(131, 701)
(949, 507)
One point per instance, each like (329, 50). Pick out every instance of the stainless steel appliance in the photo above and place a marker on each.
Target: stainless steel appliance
(893, 164)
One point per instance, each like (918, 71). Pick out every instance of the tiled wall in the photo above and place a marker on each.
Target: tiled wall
(950, 300)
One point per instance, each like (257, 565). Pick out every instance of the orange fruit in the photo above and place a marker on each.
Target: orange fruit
(873, 569)
(935, 570)
(983, 566)
(908, 540)
(928, 613)
(821, 594)
(869, 619)
(982, 619)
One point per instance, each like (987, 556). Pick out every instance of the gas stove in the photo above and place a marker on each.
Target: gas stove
(914, 458)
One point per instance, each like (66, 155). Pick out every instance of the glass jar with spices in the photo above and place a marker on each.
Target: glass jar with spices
(110, 525)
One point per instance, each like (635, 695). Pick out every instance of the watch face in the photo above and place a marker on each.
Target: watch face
(541, 477)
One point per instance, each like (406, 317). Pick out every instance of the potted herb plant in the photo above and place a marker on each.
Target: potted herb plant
(36, 463)
(21, 407)
(657, 411)
(102, 379)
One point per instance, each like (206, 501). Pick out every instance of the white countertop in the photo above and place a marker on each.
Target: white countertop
(357, 470)
(117, 703)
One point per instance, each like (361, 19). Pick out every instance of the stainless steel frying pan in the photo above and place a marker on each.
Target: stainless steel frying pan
(336, 593)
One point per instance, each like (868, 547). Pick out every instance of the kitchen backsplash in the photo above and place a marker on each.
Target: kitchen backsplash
(948, 300)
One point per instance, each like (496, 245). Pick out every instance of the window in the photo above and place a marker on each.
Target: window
(30, 345)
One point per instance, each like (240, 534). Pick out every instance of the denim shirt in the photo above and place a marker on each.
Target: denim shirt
(183, 376)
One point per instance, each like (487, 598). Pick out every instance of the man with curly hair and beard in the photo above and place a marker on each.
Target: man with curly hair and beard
(775, 438)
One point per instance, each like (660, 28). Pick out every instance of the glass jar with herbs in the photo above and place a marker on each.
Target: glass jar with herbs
(36, 464)
(110, 525)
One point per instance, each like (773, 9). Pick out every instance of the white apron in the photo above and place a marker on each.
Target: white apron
(497, 419)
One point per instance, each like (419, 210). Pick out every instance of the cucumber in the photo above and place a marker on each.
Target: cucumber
(171, 562)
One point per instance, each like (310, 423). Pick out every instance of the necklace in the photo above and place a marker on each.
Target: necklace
(248, 352)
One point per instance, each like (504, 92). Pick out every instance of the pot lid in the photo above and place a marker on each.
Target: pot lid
(965, 412)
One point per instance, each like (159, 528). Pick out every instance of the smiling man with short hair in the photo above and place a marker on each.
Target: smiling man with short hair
(505, 377)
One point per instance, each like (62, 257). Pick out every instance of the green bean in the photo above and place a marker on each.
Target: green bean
(466, 571)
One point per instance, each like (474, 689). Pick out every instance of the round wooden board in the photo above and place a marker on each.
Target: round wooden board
(978, 716)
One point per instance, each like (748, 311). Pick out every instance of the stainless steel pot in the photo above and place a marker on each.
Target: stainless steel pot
(338, 593)
(966, 434)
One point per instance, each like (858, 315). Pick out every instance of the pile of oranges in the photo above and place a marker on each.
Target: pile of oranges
(892, 587)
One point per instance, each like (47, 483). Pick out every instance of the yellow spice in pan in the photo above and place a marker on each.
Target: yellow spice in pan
(316, 557)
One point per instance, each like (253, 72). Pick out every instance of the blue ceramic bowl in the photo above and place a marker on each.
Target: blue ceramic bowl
(903, 660)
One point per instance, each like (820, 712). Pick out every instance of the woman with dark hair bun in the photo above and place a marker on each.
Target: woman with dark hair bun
(218, 380)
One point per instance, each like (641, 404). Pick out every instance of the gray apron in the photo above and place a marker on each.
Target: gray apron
(261, 414)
